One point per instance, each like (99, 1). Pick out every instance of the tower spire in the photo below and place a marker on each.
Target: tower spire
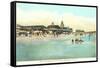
(62, 24)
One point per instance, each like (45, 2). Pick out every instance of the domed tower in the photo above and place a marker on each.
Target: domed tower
(62, 24)
(52, 23)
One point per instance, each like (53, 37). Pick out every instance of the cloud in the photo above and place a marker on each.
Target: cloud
(78, 22)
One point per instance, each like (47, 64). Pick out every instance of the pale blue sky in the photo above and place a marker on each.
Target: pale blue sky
(73, 16)
(59, 9)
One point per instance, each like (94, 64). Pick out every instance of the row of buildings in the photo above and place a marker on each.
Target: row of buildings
(50, 29)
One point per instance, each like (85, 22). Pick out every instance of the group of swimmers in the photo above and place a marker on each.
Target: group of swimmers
(77, 41)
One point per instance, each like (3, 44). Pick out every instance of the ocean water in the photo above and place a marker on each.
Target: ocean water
(55, 48)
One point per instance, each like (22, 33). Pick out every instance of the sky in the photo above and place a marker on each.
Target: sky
(73, 16)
